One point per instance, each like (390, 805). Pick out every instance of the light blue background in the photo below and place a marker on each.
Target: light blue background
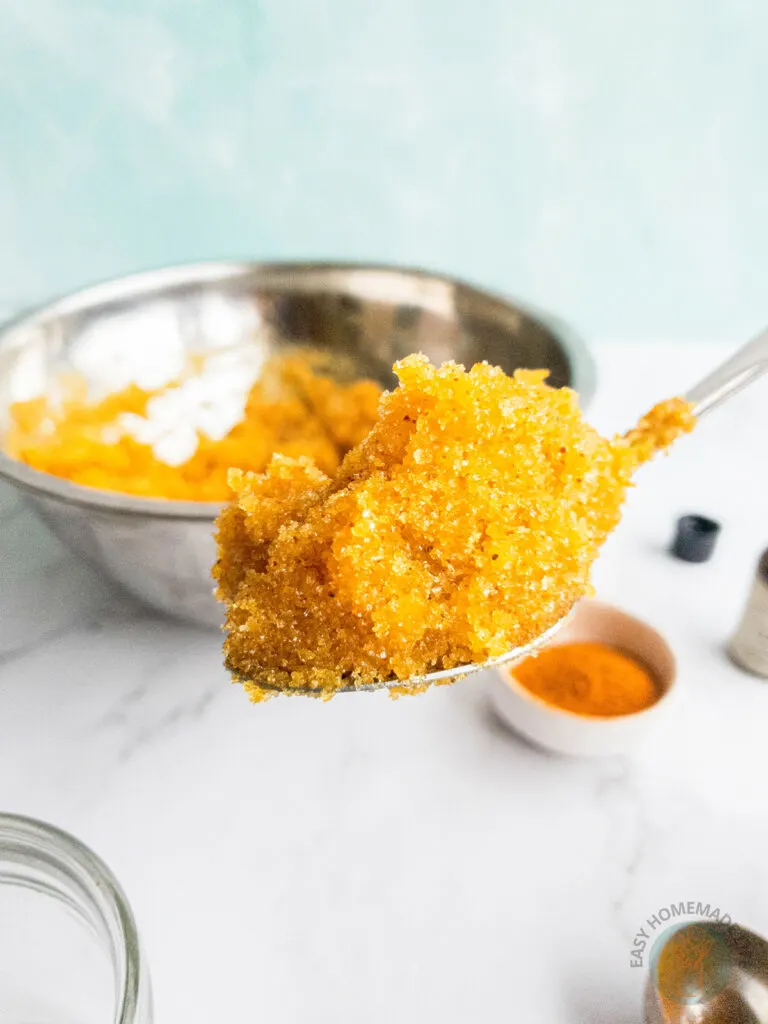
(603, 158)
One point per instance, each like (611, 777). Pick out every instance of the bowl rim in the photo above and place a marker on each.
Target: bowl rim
(507, 676)
(37, 482)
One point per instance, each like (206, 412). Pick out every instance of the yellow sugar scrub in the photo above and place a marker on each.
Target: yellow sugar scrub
(464, 525)
(293, 409)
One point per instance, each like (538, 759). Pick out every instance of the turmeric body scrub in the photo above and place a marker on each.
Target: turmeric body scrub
(292, 409)
(464, 525)
(588, 679)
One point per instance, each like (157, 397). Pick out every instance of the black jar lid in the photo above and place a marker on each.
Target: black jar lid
(695, 538)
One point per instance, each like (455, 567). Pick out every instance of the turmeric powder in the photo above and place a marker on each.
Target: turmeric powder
(588, 679)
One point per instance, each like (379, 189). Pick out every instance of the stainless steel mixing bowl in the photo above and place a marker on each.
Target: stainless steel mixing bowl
(162, 551)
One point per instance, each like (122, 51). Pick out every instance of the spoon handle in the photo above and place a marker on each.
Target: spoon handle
(744, 366)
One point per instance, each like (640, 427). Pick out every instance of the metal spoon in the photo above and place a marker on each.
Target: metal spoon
(708, 972)
(744, 367)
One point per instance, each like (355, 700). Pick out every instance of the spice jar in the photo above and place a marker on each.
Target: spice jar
(749, 646)
(69, 950)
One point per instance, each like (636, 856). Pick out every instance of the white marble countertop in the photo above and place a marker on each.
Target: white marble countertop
(377, 860)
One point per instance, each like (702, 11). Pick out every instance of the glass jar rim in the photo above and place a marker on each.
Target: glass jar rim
(44, 858)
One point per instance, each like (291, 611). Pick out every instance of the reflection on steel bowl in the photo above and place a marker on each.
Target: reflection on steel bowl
(162, 551)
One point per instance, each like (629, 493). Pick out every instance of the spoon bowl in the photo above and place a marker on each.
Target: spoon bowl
(708, 972)
(423, 682)
(748, 364)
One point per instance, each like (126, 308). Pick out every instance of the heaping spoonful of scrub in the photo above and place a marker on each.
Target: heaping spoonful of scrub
(458, 535)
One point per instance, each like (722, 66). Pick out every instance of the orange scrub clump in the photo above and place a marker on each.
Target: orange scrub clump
(464, 525)
(292, 409)
(588, 679)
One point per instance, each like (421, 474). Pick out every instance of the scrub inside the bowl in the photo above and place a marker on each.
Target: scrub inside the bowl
(179, 441)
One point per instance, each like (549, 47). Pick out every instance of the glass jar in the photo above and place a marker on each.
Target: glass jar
(69, 949)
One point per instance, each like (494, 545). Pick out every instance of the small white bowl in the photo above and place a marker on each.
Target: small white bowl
(567, 732)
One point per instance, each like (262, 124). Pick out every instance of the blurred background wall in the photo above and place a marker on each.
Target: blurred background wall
(605, 159)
